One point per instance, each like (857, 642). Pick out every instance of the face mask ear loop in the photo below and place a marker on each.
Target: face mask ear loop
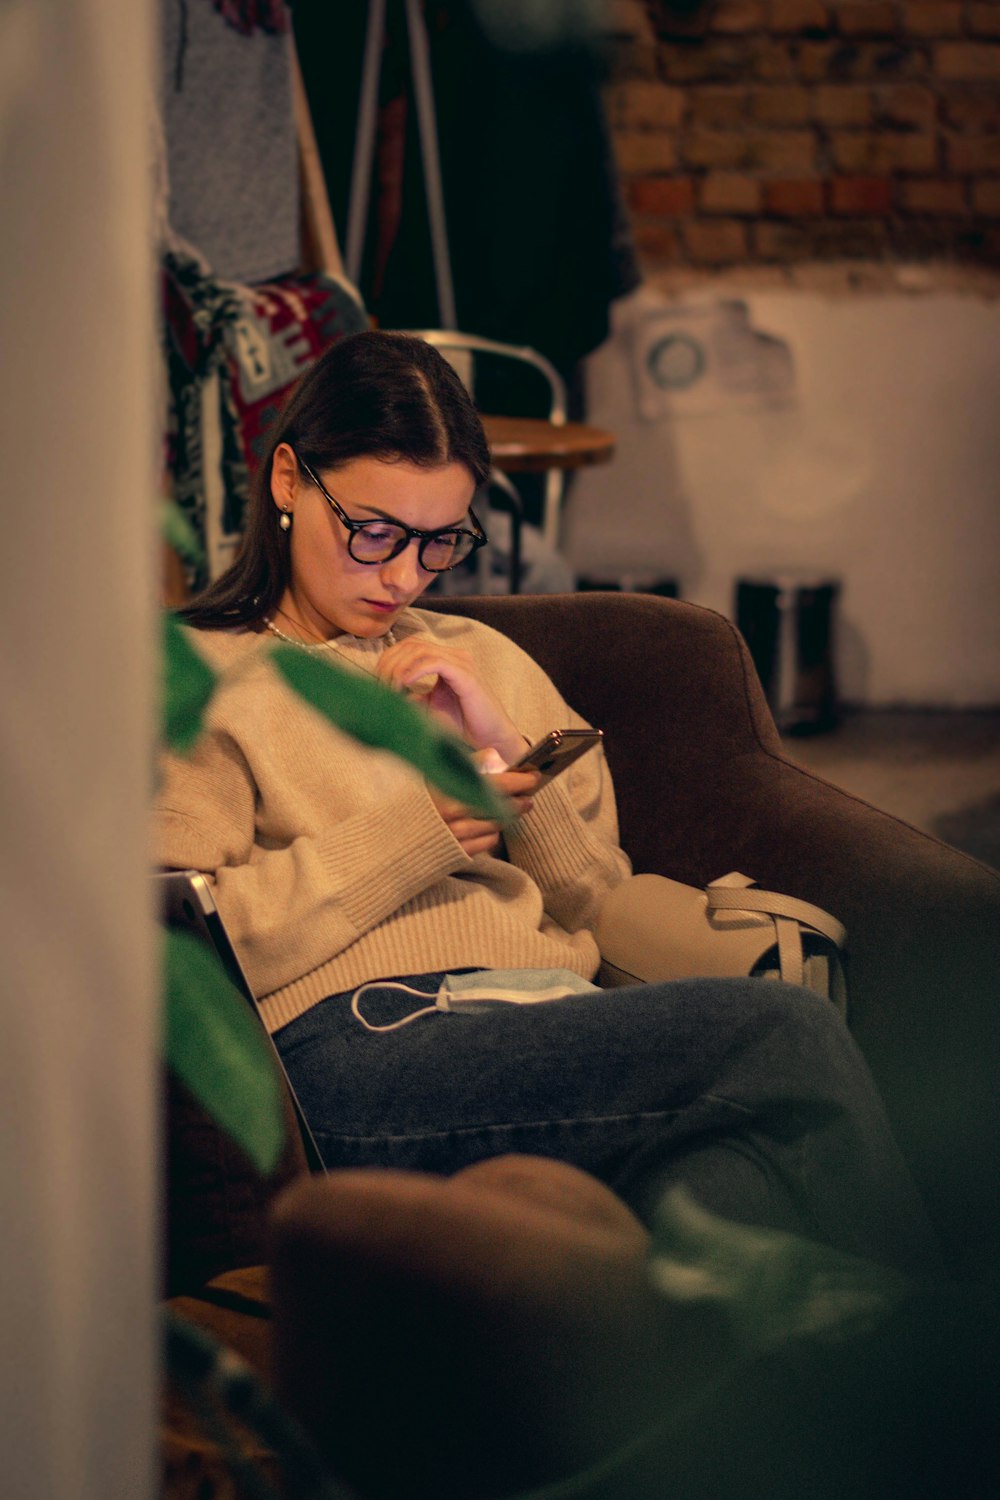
(376, 984)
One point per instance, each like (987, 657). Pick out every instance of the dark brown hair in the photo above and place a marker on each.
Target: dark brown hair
(371, 395)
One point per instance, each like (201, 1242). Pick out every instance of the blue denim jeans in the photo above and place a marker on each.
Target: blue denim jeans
(750, 1092)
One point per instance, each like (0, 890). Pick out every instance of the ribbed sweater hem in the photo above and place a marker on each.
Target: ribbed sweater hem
(579, 954)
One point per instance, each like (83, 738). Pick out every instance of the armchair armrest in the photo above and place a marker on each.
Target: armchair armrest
(923, 970)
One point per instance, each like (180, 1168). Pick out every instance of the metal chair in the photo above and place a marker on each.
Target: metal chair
(464, 351)
(186, 902)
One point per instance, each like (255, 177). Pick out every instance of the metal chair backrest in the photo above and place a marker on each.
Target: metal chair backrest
(186, 902)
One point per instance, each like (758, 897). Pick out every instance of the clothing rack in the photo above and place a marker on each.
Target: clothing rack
(364, 151)
(320, 250)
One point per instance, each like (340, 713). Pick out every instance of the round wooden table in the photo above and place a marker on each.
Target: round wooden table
(530, 445)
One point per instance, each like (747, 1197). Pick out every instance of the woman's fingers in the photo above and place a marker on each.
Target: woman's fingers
(476, 838)
(476, 835)
(458, 694)
(479, 835)
(517, 787)
(414, 668)
(516, 783)
(407, 662)
(422, 686)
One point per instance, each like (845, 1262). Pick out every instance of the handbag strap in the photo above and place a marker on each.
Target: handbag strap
(733, 893)
(736, 892)
(791, 960)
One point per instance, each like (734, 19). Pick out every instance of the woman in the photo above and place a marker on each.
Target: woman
(335, 866)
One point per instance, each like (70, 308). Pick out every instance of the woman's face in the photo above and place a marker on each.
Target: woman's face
(329, 591)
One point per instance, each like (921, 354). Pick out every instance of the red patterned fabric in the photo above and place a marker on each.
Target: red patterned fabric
(247, 16)
(259, 339)
(281, 329)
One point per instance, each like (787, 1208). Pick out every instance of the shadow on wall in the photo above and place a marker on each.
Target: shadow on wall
(870, 459)
(854, 658)
(634, 522)
(699, 357)
(668, 362)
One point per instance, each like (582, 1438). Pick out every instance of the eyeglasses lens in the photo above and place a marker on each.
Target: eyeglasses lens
(439, 553)
(377, 543)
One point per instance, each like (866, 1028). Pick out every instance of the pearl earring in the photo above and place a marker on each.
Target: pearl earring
(285, 521)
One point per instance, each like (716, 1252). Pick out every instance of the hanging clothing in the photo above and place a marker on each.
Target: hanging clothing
(229, 126)
(539, 237)
(540, 240)
(258, 341)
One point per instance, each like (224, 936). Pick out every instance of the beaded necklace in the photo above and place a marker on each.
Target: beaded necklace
(389, 639)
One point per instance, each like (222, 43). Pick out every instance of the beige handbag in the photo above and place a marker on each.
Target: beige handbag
(652, 929)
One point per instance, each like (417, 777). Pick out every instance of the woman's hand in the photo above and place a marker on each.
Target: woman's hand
(457, 695)
(479, 835)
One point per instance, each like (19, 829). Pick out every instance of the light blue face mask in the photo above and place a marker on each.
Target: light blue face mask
(463, 992)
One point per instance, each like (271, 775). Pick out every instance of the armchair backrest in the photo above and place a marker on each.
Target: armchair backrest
(675, 691)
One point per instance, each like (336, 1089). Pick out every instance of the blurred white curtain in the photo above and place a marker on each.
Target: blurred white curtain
(78, 1018)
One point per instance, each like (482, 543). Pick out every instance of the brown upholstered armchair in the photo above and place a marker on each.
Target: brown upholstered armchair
(704, 787)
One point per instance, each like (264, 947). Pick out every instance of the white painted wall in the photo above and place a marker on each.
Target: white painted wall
(883, 471)
(78, 1009)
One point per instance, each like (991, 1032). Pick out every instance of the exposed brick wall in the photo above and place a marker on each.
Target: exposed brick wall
(774, 132)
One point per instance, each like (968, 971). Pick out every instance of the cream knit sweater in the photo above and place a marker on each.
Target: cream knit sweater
(331, 864)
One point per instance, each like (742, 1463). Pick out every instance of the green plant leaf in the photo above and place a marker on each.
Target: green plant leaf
(188, 684)
(218, 1049)
(378, 716)
(773, 1286)
(176, 529)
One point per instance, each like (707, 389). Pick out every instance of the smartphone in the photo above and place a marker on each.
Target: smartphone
(559, 749)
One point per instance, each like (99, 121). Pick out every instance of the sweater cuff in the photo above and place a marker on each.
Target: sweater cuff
(552, 843)
(396, 854)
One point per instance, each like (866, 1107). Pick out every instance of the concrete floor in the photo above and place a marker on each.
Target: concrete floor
(938, 770)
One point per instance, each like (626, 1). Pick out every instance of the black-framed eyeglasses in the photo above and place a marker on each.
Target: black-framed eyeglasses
(378, 541)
